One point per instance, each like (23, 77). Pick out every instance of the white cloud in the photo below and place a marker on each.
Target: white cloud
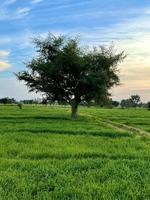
(23, 11)
(4, 65)
(17, 14)
(5, 40)
(9, 2)
(36, 1)
(4, 53)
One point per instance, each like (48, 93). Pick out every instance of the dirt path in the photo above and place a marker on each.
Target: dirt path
(121, 127)
(124, 127)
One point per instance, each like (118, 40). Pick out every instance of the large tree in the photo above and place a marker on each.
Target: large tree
(65, 71)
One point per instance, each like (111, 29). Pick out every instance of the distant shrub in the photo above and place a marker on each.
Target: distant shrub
(148, 105)
(20, 105)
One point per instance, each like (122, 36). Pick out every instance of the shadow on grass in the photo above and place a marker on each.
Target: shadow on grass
(88, 155)
(36, 117)
(102, 133)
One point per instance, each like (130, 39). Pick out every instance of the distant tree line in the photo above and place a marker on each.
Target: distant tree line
(133, 102)
(7, 100)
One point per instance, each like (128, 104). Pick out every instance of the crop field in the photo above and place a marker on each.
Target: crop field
(46, 155)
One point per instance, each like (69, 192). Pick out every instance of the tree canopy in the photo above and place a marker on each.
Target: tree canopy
(133, 101)
(65, 71)
(7, 100)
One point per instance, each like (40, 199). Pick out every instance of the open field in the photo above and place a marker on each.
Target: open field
(45, 155)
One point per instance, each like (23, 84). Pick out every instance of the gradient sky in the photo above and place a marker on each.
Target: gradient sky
(126, 23)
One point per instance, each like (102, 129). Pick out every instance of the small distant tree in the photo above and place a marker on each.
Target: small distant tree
(126, 103)
(64, 71)
(135, 100)
(115, 103)
(27, 101)
(20, 105)
(148, 105)
(30, 101)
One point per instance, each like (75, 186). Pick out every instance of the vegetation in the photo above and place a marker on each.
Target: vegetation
(133, 101)
(64, 71)
(46, 155)
(148, 105)
(7, 100)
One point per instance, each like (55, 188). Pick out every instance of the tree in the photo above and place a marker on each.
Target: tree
(64, 71)
(126, 103)
(115, 103)
(20, 105)
(135, 100)
(7, 100)
(148, 105)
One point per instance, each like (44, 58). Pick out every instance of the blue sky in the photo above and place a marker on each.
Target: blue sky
(123, 22)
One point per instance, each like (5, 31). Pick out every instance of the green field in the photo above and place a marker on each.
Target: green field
(45, 155)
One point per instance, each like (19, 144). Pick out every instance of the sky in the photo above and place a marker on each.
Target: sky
(125, 23)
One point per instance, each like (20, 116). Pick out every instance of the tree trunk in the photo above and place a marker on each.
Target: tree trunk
(74, 109)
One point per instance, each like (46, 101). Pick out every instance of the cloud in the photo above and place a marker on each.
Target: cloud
(4, 65)
(129, 29)
(5, 40)
(23, 11)
(4, 53)
(133, 36)
(16, 14)
(36, 1)
(9, 2)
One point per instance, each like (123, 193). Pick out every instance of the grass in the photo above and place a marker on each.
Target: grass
(45, 155)
(138, 118)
